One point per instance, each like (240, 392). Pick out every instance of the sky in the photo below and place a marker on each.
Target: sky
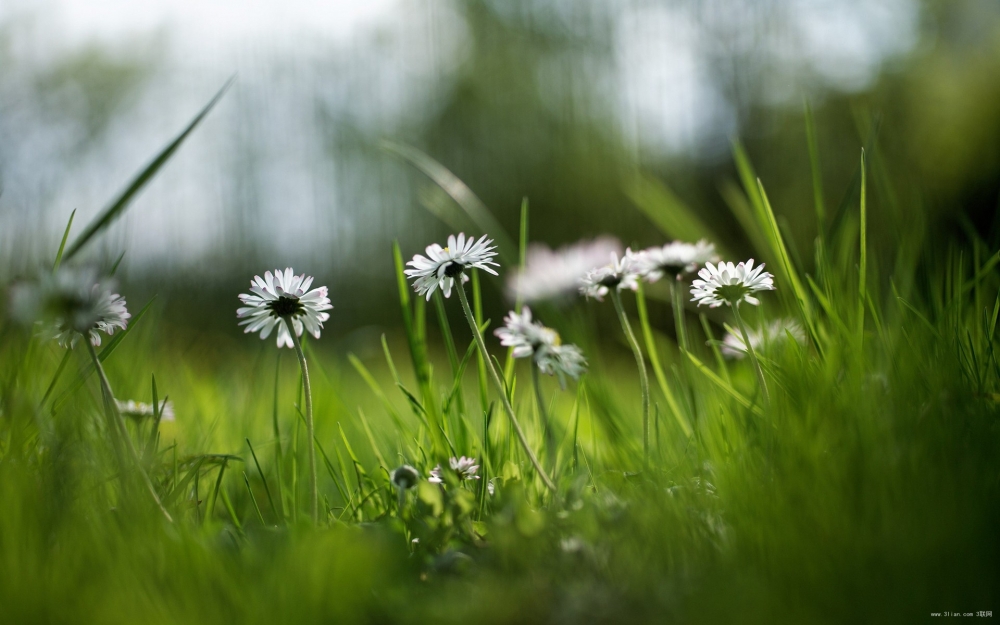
(390, 60)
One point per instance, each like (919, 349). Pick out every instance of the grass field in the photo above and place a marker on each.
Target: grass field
(864, 489)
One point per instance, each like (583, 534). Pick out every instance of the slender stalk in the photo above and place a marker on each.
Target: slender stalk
(753, 355)
(654, 361)
(678, 300)
(550, 446)
(118, 429)
(641, 363)
(500, 388)
(310, 429)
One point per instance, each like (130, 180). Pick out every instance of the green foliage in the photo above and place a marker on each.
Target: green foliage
(869, 484)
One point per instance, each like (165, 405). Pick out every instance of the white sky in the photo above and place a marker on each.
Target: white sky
(207, 21)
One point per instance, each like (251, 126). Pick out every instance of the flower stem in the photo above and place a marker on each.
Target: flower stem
(678, 297)
(641, 363)
(118, 431)
(310, 429)
(550, 446)
(500, 388)
(753, 355)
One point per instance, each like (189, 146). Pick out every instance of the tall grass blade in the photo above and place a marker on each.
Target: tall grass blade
(62, 243)
(460, 192)
(263, 479)
(863, 269)
(124, 199)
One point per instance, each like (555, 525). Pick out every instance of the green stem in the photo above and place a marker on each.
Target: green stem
(310, 430)
(678, 300)
(654, 361)
(118, 429)
(550, 446)
(753, 355)
(500, 387)
(643, 379)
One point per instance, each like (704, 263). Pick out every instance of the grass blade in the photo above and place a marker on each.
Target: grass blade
(460, 192)
(124, 199)
(263, 480)
(725, 386)
(62, 244)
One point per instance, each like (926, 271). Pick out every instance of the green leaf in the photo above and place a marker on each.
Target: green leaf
(62, 244)
(668, 212)
(124, 199)
(460, 193)
(725, 386)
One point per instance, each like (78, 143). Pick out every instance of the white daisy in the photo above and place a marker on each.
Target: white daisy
(141, 410)
(465, 468)
(774, 333)
(525, 335)
(730, 284)
(620, 273)
(442, 265)
(71, 303)
(530, 338)
(549, 274)
(674, 259)
(281, 296)
(404, 477)
(562, 360)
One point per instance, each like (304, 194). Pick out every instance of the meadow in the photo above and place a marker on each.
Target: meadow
(846, 471)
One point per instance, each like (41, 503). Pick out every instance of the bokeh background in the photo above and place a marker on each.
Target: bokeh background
(586, 107)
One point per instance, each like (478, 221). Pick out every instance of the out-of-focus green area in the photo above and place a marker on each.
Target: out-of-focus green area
(535, 98)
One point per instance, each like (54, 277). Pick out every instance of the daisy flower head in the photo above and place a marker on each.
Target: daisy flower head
(620, 273)
(71, 303)
(465, 468)
(404, 477)
(442, 265)
(730, 284)
(279, 296)
(772, 334)
(141, 410)
(562, 361)
(530, 338)
(525, 335)
(550, 274)
(674, 259)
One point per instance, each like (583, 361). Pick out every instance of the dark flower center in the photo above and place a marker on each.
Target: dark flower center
(611, 280)
(453, 269)
(285, 306)
(673, 270)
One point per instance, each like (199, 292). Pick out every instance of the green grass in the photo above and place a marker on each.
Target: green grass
(867, 491)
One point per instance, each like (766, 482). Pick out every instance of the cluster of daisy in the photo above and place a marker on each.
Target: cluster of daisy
(530, 339)
(406, 476)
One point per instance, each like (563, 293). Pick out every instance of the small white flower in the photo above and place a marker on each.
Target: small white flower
(674, 259)
(465, 468)
(549, 274)
(562, 360)
(524, 334)
(730, 284)
(530, 338)
(282, 295)
(774, 333)
(442, 265)
(141, 410)
(71, 303)
(620, 273)
(404, 477)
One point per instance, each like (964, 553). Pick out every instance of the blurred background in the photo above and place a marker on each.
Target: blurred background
(589, 108)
